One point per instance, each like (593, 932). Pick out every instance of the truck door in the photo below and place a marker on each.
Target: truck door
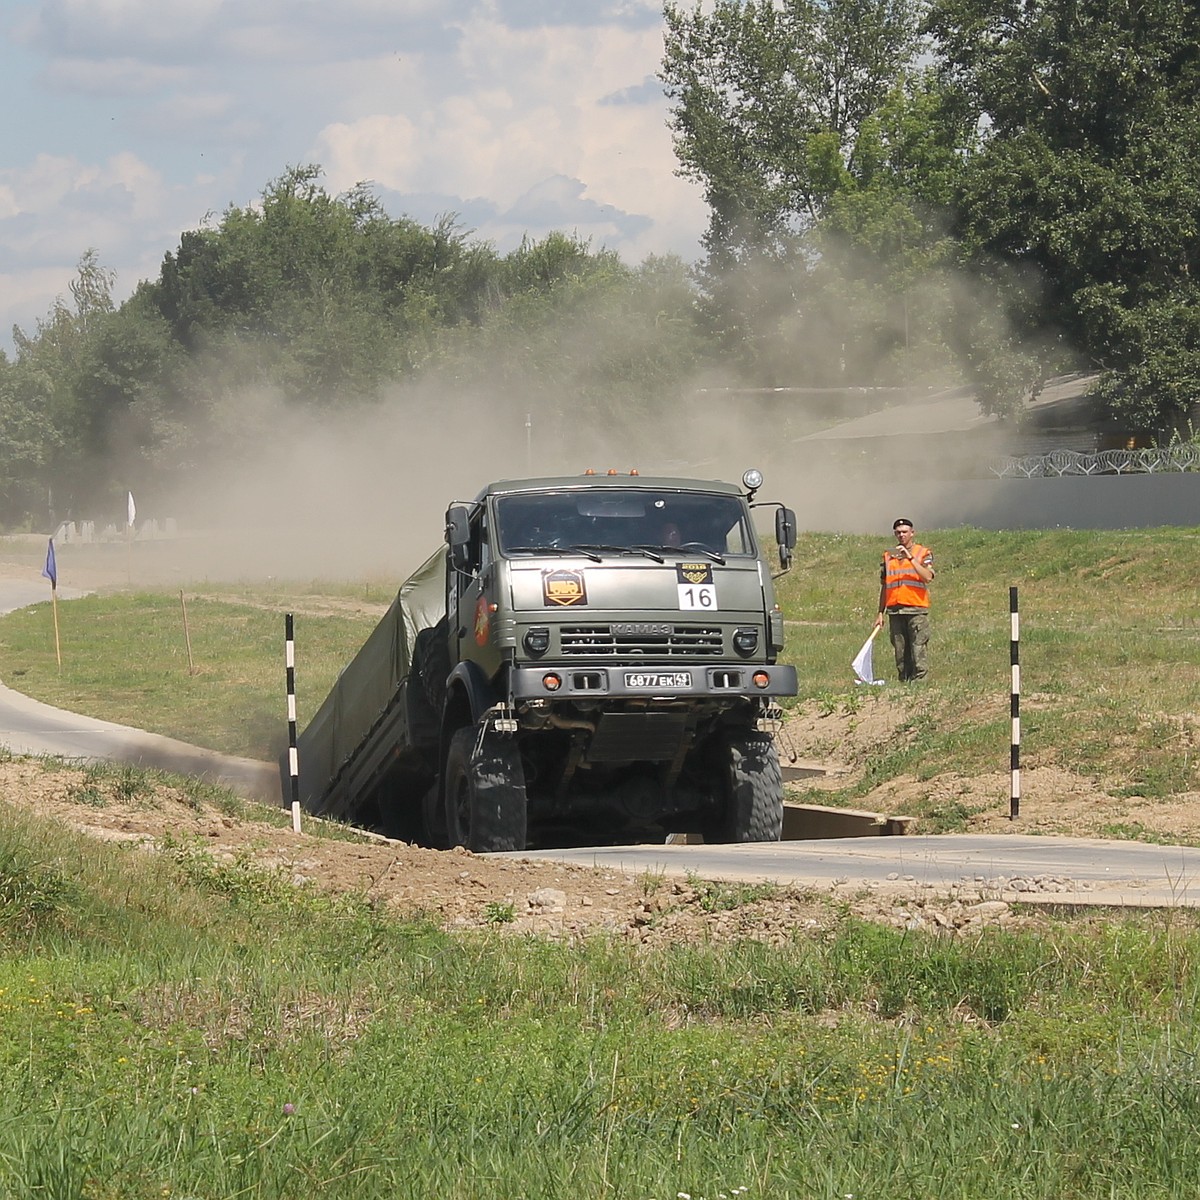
(472, 599)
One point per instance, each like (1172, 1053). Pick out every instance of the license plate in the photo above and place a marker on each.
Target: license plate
(658, 679)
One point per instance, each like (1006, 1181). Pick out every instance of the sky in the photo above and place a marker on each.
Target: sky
(129, 122)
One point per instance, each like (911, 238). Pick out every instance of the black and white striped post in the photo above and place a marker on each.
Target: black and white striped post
(1014, 803)
(293, 759)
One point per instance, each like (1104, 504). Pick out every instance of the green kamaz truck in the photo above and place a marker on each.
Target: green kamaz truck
(587, 660)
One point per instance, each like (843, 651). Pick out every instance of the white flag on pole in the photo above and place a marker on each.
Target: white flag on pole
(863, 667)
(132, 509)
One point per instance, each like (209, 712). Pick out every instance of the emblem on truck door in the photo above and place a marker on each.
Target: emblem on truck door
(563, 588)
(483, 621)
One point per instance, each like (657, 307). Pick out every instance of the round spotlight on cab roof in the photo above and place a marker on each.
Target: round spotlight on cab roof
(551, 682)
(753, 479)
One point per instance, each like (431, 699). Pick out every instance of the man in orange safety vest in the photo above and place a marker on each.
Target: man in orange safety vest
(904, 579)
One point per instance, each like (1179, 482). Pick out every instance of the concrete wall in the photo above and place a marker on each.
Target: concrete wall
(843, 504)
(1071, 502)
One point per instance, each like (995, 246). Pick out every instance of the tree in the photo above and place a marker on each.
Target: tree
(591, 348)
(826, 157)
(1081, 205)
(53, 422)
(333, 295)
(765, 94)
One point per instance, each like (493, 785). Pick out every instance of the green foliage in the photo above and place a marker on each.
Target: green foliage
(756, 119)
(828, 157)
(33, 891)
(321, 302)
(1086, 182)
(499, 912)
(724, 897)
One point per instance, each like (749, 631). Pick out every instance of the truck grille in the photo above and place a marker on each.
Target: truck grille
(600, 641)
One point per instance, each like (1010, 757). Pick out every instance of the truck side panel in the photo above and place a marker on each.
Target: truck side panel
(341, 729)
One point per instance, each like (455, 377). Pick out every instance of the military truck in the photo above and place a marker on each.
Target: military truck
(588, 660)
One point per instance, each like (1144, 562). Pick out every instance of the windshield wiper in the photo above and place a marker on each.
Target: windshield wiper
(648, 551)
(697, 548)
(573, 551)
(683, 551)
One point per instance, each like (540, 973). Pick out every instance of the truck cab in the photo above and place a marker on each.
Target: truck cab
(620, 634)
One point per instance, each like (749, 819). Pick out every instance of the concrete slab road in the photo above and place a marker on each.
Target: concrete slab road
(1011, 867)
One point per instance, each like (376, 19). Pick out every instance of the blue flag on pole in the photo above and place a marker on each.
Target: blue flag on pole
(50, 570)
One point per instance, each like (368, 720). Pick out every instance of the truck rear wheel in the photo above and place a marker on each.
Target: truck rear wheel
(752, 791)
(485, 792)
(431, 664)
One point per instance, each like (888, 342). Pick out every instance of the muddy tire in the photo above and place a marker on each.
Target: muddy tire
(431, 664)
(485, 792)
(752, 791)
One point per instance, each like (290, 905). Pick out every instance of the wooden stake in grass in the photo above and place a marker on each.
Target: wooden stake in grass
(50, 572)
(187, 637)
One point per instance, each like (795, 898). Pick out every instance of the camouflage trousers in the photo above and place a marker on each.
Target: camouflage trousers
(910, 641)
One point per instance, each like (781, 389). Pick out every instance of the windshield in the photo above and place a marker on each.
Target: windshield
(612, 520)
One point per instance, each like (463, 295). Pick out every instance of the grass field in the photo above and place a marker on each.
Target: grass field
(171, 1026)
(175, 1026)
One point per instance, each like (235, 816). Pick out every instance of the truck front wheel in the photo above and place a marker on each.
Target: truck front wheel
(751, 800)
(485, 792)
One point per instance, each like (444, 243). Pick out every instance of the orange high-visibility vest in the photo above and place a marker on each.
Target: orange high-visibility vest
(903, 587)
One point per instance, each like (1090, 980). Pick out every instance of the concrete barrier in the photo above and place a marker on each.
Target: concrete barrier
(808, 822)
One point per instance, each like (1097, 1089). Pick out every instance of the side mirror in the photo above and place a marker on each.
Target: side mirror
(458, 534)
(785, 535)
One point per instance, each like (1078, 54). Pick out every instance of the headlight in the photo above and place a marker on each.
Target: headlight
(745, 641)
(536, 640)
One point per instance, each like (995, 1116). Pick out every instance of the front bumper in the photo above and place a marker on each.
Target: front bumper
(653, 682)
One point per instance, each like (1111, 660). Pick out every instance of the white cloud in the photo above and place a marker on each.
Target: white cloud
(53, 181)
(519, 115)
(121, 28)
(506, 140)
(111, 76)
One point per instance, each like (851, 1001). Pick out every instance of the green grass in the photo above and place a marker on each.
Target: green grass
(1109, 651)
(171, 1025)
(125, 658)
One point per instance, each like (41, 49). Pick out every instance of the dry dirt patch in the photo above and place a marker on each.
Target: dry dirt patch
(1053, 800)
(461, 890)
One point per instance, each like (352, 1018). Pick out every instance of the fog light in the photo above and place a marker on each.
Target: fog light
(745, 641)
(551, 682)
(536, 640)
(761, 679)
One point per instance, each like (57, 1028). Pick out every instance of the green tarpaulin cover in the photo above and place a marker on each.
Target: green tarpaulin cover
(369, 683)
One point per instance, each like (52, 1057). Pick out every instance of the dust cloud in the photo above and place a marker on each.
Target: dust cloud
(362, 492)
